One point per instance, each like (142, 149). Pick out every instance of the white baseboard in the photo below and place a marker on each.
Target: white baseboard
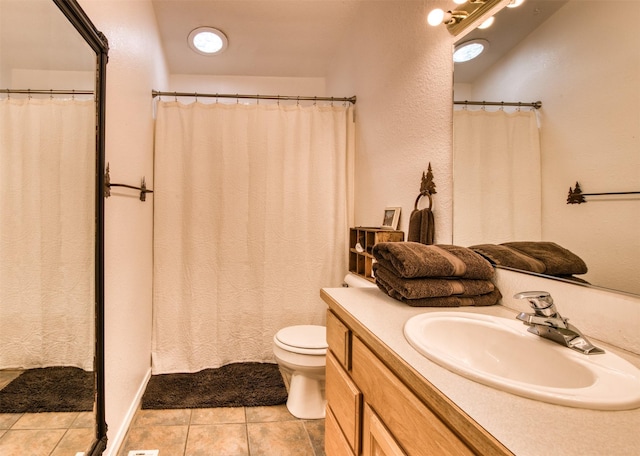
(114, 444)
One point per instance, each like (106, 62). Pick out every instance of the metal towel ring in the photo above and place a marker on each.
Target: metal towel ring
(427, 194)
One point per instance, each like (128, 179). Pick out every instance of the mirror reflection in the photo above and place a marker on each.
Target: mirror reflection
(580, 62)
(47, 230)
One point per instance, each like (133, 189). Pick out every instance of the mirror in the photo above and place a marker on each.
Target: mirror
(52, 81)
(580, 61)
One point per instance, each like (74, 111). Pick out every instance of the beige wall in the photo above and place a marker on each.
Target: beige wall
(136, 64)
(400, 70)
(581, 65)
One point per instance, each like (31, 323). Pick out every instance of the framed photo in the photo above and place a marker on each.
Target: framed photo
(391, 218)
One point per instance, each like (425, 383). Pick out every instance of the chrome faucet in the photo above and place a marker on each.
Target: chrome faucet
(546, 322)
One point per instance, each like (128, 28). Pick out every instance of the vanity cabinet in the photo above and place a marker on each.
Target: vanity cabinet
(361, 261)
(371, 410)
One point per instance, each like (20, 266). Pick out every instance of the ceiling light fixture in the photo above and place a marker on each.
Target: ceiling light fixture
(469, 50)
(207, 41)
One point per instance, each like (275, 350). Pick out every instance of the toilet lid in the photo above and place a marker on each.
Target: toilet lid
(304, 336)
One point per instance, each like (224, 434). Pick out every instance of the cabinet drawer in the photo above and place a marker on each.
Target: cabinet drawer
(335, 443)
(345, 402)
(413, 425)
(339, 340)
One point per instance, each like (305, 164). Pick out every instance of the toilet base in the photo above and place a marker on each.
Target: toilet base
(306, 397)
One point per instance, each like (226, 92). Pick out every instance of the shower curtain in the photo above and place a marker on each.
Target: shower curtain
(252, 205)
(47, 232)
(497, 184)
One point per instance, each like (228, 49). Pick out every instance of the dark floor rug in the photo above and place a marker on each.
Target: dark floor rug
(49, 389)
(233, 385)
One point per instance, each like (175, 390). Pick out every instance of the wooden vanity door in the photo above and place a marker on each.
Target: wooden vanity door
(376, 439)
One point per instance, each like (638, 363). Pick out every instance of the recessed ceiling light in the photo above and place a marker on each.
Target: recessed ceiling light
(207, 41)
(469, 50)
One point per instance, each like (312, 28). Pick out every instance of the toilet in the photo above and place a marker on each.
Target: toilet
(301, 352)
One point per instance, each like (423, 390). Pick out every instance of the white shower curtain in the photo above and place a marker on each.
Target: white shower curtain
(47, 232)
(251, 219)
(497, 192)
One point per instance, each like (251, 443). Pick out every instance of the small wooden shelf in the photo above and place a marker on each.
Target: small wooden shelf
(360, 263)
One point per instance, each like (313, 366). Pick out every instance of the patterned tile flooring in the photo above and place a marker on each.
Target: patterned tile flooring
(235, 431)
(43, 434)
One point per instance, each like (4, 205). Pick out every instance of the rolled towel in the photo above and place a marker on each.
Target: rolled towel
(488, 299)
(428, 287)
(556, 259)
(412, 259)
(502, 255)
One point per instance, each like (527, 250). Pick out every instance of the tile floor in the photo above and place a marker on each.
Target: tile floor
(43, 434)
(234, 431)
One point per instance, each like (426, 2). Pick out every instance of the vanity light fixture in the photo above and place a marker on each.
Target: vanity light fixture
(438, 16)
(207, 41)
(469, 50)
(488, 23)
(470, 15)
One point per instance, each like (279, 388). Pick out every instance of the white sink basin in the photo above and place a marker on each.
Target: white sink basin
(500, 353)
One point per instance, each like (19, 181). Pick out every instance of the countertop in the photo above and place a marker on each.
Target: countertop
(525, 426)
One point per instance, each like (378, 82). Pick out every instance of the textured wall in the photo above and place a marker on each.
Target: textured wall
(136, 64)
(400, 69)
(588, 83)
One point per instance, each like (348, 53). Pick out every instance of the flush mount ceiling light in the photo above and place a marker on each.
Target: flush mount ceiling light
(469, 50)
(207, 41)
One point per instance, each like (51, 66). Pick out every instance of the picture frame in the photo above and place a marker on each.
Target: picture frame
(391, 218)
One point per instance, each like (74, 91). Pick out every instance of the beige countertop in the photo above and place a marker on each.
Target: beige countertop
(526, 427)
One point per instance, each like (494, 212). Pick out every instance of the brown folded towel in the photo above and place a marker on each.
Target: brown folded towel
(541, 257)
(488, 299)
(431, 287)
(557, 259)
(421, 226)
(412, 259)
(506, 256)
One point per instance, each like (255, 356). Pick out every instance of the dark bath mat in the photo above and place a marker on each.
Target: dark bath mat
(49, 389)
(233, 385)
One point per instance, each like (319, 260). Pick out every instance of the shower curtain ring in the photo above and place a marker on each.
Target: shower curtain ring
(175, 96)
(196, 94)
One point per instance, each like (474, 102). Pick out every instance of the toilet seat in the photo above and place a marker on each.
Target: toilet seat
(303, 339)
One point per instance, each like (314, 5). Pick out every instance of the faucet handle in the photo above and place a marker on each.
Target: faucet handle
(541, 302)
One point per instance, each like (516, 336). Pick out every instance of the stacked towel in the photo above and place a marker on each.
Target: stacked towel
(434, 275)
(541, 257)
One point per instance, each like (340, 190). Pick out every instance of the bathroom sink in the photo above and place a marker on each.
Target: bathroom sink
(499, 352)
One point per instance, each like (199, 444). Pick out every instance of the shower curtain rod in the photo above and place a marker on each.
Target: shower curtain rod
(47, 92)
(156, 93)
(535, 104)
